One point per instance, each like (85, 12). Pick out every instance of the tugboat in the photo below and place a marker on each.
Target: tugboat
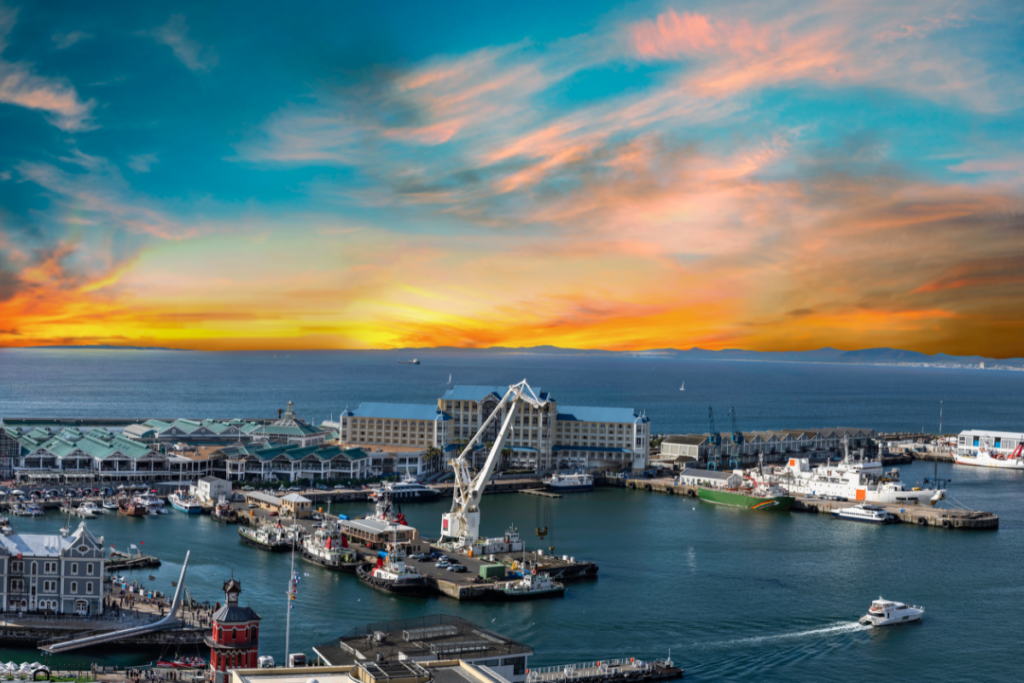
(392, 575)
(532, 586)
(223, 512)
(888, 612)
(275, 539)
(328, 548)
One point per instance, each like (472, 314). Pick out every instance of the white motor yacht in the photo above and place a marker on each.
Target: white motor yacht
(888, 612)
(872, 514)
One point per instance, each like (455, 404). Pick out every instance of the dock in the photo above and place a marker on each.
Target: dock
(495, 485)
(918, 515)
(540, 492)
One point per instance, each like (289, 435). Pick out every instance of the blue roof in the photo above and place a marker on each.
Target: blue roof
(591, 414)
(591, 449)
(469, 392)
(400, 411)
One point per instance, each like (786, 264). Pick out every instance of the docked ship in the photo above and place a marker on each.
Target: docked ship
(406, 491)
(132, 508)
(871, 514)
(839, 482)
(569, 483)
(392, 575)
(273, 538)
(888, 612)
(153, 503)
(983, 457)
(223, 512)
(750, 495)
(532, 586)
(183, 502)
(328, 548)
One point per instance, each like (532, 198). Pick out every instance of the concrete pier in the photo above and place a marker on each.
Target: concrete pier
(918, 515)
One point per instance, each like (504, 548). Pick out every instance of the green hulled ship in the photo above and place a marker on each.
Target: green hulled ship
(754, 499)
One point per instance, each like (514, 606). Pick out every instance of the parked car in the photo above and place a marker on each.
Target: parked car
(443, 564)
(457, 568)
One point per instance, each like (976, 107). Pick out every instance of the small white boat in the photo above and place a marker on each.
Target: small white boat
(92, 507)
(110, 504)
(872, 514)
(888, 612)
(683, 387)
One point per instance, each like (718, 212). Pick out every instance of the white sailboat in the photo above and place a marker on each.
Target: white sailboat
(683, 387)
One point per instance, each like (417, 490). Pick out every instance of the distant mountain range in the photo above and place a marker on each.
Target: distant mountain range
(878, 356)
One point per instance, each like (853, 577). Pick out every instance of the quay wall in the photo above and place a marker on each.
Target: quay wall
(918, 515)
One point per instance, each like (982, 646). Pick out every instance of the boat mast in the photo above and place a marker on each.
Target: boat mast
(288, 614)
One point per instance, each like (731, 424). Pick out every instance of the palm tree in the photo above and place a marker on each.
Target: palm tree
(506, 456)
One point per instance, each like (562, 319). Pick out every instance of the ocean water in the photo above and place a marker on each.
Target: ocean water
(98, 383)
(737, 596)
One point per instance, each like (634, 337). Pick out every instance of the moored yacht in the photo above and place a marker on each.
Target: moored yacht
(406, 491)
(872, 514)
(888, 612)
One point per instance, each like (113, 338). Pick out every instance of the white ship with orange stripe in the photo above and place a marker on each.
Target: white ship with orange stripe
(836, 480)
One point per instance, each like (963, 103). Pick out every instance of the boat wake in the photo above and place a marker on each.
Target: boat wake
(778, 656)
(825, 631)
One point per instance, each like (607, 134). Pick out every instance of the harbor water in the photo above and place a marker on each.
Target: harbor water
(736, 595)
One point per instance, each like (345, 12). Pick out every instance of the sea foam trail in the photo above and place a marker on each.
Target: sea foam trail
(832, 629)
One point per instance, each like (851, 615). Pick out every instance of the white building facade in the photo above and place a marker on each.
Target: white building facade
(1003, 443)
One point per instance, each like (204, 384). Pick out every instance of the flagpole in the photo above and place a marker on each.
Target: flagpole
(288, 617)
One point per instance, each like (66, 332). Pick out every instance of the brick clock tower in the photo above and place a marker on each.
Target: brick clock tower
(234, 641)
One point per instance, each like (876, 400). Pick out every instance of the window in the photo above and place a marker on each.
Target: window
(74, 586)
(88, 569)
(17, 585)
(88, 587)
(74, 567)
(35, 567)
(17, 566)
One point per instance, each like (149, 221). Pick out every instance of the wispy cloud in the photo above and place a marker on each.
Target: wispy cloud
(21, 87)
(142, 163)
(63, 41)
(174, 34)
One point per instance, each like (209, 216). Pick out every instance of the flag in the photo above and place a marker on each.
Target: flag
(142, 543)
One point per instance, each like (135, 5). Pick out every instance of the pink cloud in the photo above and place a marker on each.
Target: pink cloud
(672, 35)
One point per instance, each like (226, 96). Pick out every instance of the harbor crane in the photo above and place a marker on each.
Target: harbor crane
(463, 522)
(714, 440)
(737, 442)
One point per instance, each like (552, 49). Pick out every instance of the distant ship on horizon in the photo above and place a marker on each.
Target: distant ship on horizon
(414, 361)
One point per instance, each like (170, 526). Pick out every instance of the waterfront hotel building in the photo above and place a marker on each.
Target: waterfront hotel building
(52, 574)
(549, 438)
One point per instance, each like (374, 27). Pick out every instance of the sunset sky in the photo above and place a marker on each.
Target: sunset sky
(770, 175)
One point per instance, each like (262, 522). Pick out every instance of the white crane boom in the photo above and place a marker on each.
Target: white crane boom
(463, 522)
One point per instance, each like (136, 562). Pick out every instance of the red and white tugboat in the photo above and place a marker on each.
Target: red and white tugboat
(392, 575)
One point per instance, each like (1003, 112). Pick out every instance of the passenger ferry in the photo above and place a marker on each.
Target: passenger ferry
(153, 503)
(872, 514)
(183, 502)
(888, 612)
(406, 491)
(392, 575)
(569, 483)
